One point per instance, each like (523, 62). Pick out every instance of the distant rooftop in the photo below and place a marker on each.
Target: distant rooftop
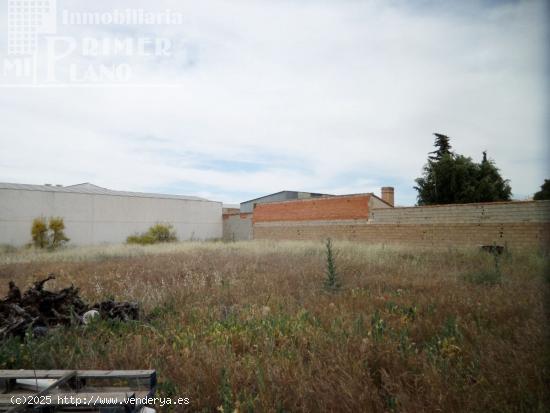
(313, 194)
(88, 188)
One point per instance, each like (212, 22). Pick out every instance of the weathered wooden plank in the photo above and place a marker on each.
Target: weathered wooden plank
(111, 395)
(115, 373)
(55, 374)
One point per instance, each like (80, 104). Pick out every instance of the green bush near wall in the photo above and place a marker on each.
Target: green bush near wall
(156, 234)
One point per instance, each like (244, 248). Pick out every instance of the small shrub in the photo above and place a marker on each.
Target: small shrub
(155, 234)
(162, 233)
(57, 229)
(143, 239)
(39, 232)
(331, 280)
(50, 234)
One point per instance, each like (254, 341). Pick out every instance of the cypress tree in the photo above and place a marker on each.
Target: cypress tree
(450, 178)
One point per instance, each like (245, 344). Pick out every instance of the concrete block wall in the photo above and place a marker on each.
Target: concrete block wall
(237, 227)
(493, 212)
(516, 224)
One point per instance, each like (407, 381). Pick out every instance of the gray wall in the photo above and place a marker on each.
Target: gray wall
(95, 219)
(237, 227)
(375, 203)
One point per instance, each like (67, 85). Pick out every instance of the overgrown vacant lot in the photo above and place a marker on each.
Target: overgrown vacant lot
(249, 326)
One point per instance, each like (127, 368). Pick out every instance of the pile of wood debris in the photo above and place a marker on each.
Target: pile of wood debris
(37, 310)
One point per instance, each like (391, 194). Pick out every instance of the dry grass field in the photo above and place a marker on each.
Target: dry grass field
(249, 326)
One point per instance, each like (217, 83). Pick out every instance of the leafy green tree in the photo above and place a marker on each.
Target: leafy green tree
(491, 186)
(544, 192)
(449, 178)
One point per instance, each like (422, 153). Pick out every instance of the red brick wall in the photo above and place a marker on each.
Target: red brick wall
(344, 207)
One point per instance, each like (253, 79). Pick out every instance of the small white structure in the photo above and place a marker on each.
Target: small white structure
(95, 215)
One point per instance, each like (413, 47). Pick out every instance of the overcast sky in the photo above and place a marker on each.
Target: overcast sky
(325, 96)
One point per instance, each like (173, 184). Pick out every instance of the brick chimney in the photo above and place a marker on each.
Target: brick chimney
(387, 194)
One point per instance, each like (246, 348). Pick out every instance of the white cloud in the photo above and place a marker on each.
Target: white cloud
(334, 96)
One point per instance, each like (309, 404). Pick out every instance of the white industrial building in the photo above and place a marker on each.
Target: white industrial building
(95, 215)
